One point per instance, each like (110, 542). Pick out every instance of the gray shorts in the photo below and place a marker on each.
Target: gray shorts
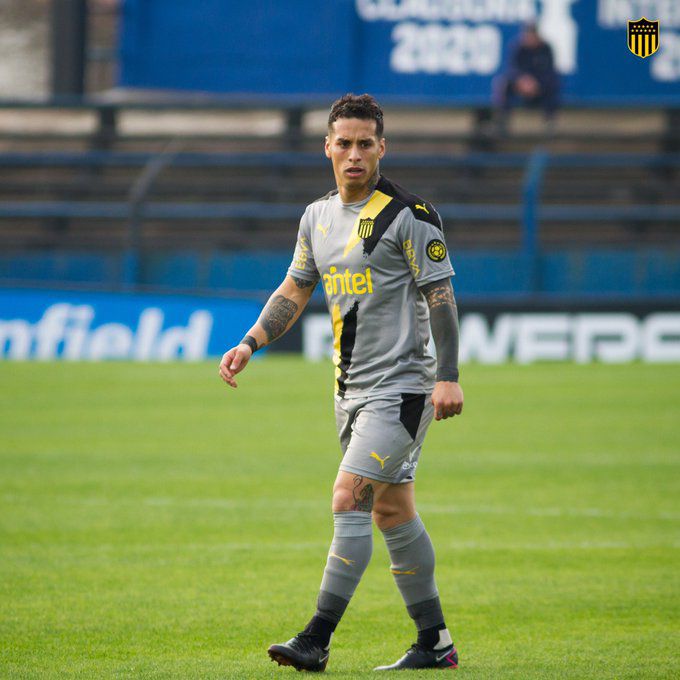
(381, 437)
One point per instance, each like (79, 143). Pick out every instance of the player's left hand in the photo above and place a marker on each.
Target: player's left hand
(447, 399)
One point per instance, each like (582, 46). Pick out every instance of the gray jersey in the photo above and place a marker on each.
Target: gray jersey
(371, 257)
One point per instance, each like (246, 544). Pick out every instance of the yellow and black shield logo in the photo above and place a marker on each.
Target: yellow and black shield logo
(365, 227)
(643, 37)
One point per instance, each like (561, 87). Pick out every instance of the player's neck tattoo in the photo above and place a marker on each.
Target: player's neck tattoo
(375, 177)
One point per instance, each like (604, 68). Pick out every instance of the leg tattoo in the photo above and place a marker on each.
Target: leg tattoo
(363, 500)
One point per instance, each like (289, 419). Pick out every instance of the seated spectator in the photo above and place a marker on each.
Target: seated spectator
(530, 79)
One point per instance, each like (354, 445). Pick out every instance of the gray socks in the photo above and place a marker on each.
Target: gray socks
(348, 558)
(412, 557)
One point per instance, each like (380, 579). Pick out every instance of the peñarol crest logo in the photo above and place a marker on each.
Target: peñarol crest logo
(365, 227)
(643, 37)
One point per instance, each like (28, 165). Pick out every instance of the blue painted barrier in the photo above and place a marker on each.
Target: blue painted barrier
(635, 273)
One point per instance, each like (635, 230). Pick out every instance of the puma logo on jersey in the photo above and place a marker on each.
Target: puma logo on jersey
(322, 229)
(349, 563)
(422, 207)
(382, 461)
(404, 572)
(348, 283)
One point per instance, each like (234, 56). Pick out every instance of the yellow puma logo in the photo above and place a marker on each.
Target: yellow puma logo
(322, 229)
(422, 207)
(409, 572)
(349, 563)
(379, 459)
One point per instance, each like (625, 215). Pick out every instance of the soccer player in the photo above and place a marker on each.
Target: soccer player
(380, 255)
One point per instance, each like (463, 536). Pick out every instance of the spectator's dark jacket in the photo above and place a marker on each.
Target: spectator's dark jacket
(536, 61)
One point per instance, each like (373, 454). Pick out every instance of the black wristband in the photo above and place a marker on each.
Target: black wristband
(447, 375)
(251, 342)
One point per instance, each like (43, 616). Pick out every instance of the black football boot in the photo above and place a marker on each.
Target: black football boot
(304, 652)
(421, 657)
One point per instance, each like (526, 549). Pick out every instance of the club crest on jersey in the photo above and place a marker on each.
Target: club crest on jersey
(365, 227)
(436, 250)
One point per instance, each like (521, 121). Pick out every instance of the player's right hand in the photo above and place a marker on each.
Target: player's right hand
(233, 362)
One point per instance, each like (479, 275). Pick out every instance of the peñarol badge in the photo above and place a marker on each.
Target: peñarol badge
(365, 227)
(643, 37)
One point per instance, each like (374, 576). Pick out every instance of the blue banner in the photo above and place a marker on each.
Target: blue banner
(419, 51)
(54, 325)
(99, 326)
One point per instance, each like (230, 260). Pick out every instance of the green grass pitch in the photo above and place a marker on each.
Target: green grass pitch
(156, 524)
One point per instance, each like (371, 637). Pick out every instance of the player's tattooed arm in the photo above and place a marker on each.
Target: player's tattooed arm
(281, 311)
(439, 293)
(277, 316)
(363, 497)
(444, 325)
(303, 283)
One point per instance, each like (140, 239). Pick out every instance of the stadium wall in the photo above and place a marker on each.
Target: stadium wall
(76, 326)
(38, 324)
(423, 52)
(632, 273)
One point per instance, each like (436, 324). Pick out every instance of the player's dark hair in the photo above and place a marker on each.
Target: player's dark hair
(361, 106)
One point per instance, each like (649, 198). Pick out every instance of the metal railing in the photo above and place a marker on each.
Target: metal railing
(528, 211)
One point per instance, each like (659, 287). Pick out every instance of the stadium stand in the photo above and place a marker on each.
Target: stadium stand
(141, 187)
(241, 197)
(156, 188)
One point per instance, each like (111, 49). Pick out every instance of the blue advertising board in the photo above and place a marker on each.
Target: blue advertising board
(419, 51)
(36, 324)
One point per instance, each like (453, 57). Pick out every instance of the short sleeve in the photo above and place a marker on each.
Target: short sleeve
(303, 265)
(424, 248)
